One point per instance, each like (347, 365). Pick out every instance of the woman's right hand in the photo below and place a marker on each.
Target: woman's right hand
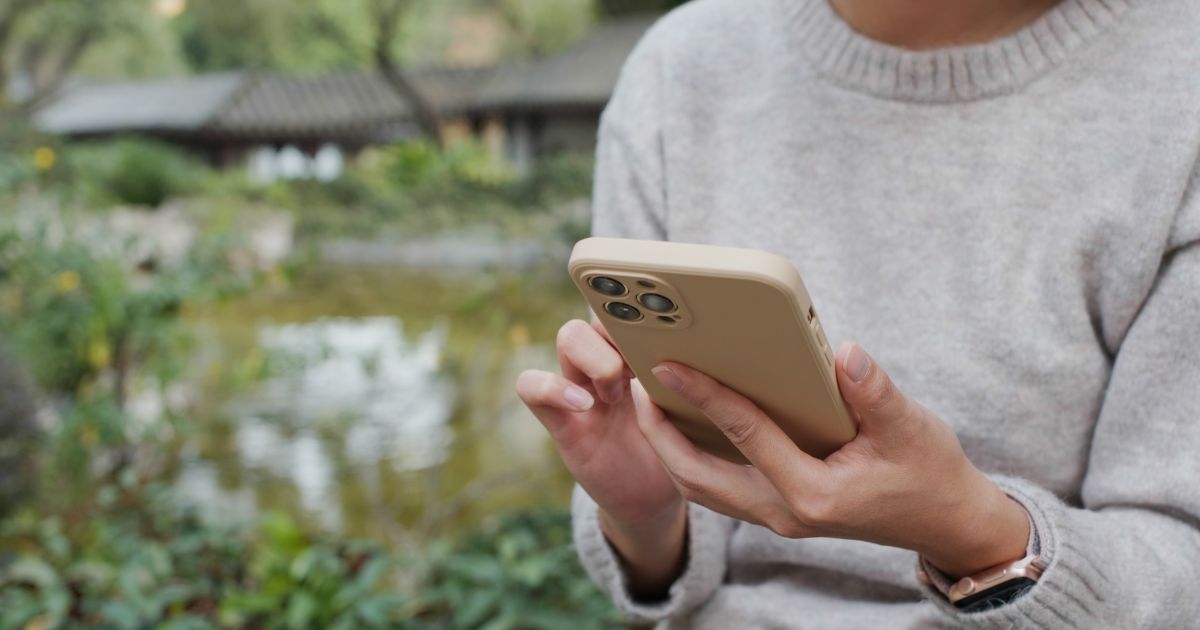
(589, 413)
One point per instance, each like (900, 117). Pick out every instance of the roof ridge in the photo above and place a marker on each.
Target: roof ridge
(247, 81)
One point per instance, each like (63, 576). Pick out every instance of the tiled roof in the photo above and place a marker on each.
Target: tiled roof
(357, 104)
(582, 75)
(177, 104)
(349, 104)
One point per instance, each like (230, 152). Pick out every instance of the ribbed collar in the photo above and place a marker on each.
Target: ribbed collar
(849, 58)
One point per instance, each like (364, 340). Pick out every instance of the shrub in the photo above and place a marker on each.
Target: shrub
(132, 559)
(131, 171)
(520, 571)
(18, 434)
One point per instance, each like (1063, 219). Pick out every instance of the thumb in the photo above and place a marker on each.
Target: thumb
(869, 391)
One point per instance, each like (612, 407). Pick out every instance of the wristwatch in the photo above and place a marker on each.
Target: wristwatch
(991, 587)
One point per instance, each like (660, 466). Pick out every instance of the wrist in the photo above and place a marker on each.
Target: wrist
(991, 529)
(652, 551)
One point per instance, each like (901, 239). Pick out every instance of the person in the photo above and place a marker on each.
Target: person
(998, 199)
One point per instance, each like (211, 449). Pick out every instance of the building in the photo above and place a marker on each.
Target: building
(287, 126)
(553, 104)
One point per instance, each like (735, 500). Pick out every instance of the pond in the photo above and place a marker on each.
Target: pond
(376, 402)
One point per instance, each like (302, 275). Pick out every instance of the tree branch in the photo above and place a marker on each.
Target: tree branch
(388, 14)
(65, 63)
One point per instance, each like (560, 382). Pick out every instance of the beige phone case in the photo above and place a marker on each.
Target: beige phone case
(741, 316)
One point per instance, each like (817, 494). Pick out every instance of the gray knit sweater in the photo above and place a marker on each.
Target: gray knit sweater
(1011, 229)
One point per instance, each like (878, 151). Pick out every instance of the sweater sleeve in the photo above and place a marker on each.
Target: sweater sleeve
(1128, 556)
(708, 538)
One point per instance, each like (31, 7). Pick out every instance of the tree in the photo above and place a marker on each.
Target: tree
(541, 27)
(388, 16)
(299, 37)
(42, 41)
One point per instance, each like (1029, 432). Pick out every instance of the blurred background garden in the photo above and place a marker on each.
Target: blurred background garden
(268, 270)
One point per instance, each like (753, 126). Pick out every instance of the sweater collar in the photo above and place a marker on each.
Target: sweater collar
(962, 73)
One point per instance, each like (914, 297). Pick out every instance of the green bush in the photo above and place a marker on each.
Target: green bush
(132, 559)
(87, 330)
(416, 188)
(520, 571)
(73, 315)
(130, 171)
(19, 435)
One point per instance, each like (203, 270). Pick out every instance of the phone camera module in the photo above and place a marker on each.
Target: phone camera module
(607, 286)
(623, 311)
(657, 303)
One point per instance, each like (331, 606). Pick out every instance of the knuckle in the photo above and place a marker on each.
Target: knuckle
(881, 394)
(817, 510)
(785, 527)
(611, 365)
(689, 484)
(741, 429)
(702, 398)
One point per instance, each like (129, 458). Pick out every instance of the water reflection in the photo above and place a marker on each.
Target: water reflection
(364, 372)
(385, 408)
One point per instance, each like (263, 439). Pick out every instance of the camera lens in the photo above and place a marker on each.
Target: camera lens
(657, 303)
(607, 286)
(623, 311)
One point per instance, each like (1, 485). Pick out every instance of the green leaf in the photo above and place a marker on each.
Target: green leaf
(35, 571)
(302, 607)
(480, 605)
(119, 614)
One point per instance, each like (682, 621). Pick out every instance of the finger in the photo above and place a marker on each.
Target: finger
(869, 390)
(552, 398)
(702, 478)
(749, 429)
(586, 358)
(598, 326)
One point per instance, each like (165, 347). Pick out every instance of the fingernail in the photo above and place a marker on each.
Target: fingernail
(857, 363)
(668, 378)
(578, 398)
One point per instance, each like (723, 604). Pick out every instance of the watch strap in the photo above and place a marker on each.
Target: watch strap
(982, 590)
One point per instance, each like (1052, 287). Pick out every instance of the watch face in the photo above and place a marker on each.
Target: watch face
(996, 596)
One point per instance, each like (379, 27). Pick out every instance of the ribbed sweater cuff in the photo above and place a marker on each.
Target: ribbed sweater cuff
(1072, 587)
(708, 536)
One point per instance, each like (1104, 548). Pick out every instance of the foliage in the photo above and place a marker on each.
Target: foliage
(541, 27)
(132, 559)
(518, 572)
(89, 327)
(129, 171)
(18, 434)
(415, 188)
(74, 315)
(18, 167)
(43, 41)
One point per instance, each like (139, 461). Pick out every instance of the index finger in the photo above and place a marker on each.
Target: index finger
(762, 441)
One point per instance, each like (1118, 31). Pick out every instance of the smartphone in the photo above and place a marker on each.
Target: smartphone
(741, 316)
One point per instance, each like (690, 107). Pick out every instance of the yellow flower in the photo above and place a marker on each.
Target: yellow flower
(44, 159)
(67, 281)
(99, 354)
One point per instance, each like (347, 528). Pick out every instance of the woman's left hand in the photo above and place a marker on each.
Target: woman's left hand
(903, 481)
